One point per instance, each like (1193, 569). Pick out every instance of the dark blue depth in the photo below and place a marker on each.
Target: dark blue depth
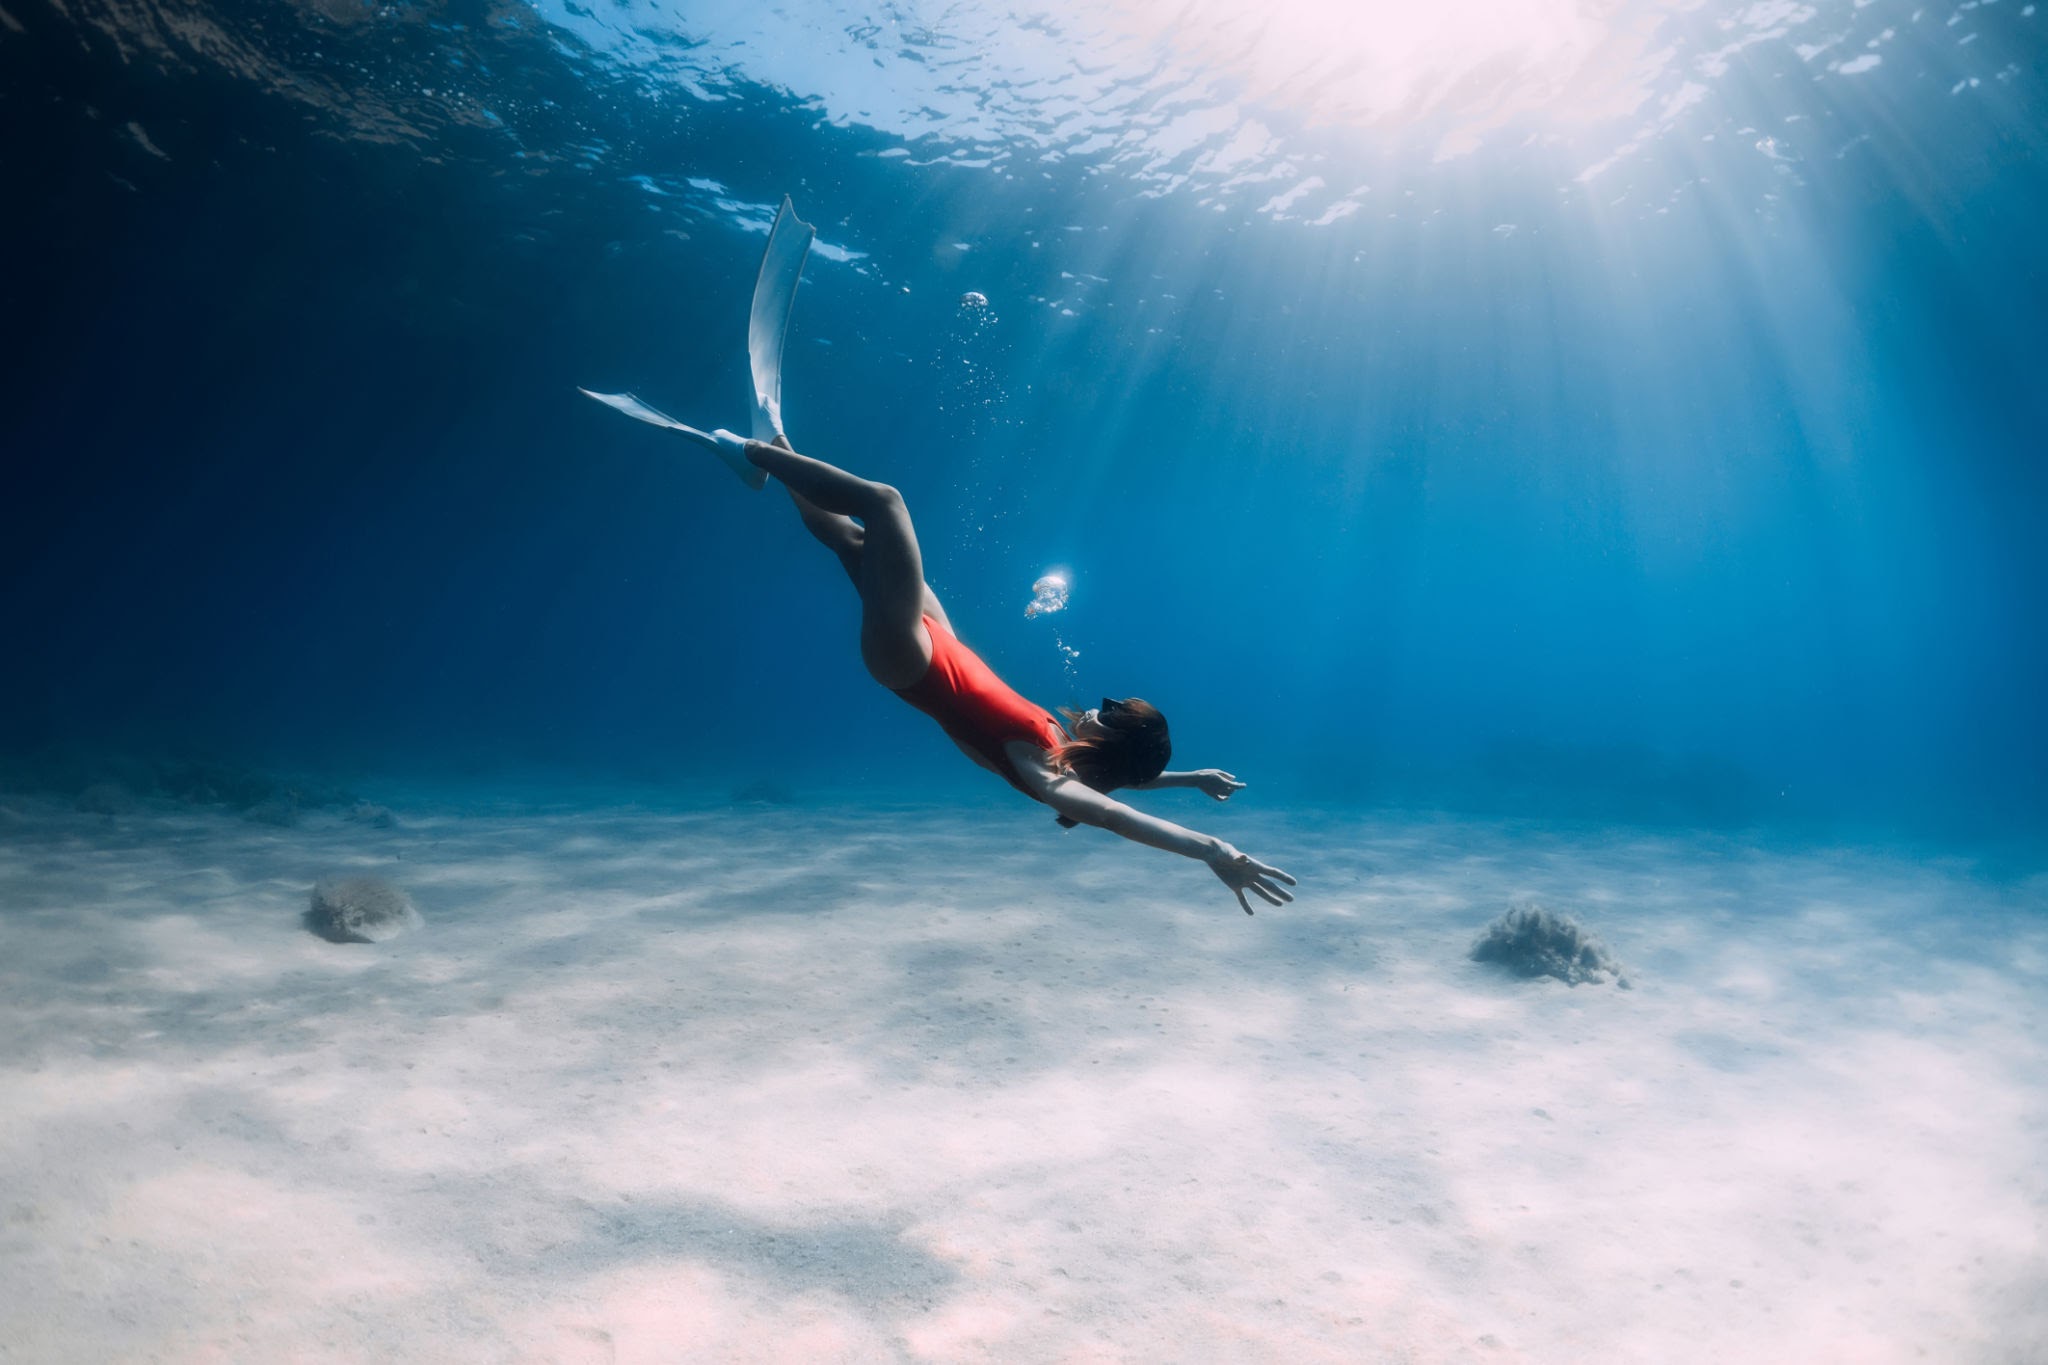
(1733, 519)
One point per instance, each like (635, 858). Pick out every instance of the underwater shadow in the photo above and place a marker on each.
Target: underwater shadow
(866, 1263)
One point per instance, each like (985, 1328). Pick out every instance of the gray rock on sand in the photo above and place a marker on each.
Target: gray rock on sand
(1532, 941)
(361, 910)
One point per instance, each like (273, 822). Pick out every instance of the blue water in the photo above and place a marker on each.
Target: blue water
(1653, 438)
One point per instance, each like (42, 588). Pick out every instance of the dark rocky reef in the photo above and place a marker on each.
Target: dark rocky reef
(116, 784)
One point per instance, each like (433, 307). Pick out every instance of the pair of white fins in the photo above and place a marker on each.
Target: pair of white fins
(782, 265)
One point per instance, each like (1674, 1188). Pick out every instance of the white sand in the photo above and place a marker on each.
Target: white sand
(797, 1085)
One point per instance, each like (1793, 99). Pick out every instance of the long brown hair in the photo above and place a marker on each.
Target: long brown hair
(1134, 749)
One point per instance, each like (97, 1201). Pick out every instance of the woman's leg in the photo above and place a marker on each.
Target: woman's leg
(844, 537)
(882, 559)
(841, 535)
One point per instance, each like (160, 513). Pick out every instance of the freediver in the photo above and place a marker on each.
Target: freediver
(907, 642)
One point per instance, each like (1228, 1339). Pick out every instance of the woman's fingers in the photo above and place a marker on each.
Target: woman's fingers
(1243, 873)
(1271, 895)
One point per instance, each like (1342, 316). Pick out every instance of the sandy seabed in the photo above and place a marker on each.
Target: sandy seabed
(797, 1084)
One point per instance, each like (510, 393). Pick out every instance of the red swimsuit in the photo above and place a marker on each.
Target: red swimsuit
(979, 710)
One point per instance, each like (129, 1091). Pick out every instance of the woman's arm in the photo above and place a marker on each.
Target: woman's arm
(1214, 781)
(1082, 804)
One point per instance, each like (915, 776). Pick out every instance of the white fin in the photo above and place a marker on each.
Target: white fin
(633, 407)
(782, 265)
(724, 444)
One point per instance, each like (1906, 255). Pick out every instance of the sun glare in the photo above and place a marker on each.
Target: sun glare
(1469, 65)
(1229, 96)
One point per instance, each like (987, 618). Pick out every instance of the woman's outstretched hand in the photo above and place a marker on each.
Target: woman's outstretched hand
(1216, 782)
(1241, 873)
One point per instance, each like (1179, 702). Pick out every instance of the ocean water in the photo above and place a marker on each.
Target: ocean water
(1578, 455)
(1647, 421)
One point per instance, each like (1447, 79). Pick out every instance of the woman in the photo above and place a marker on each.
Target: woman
(909, 647)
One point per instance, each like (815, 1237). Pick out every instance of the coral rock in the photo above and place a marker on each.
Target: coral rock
(361, 910)
(1532, 941)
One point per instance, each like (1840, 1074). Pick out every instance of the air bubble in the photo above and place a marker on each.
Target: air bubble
(1048, 595)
